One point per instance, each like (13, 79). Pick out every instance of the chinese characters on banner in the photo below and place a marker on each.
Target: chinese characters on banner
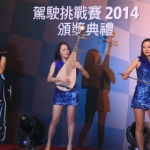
(84, 13)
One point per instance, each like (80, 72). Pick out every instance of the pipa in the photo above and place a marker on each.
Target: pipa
(67, 70)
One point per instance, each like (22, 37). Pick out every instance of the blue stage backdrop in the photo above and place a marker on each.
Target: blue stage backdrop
(31, 29)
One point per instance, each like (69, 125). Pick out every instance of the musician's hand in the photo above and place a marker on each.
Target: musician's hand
(125, 76)
(65, 80)
(73, 64)
(78, 65)
(82, 70)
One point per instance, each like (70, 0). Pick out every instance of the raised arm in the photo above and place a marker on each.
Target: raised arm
(135, 64)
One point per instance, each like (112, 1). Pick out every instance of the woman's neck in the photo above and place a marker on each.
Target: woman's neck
(64, 60)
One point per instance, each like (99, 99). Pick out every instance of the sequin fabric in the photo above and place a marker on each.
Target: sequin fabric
(141, 97)
(65, 97)
(1, 87)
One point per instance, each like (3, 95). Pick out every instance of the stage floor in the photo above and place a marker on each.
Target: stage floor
(17, 147)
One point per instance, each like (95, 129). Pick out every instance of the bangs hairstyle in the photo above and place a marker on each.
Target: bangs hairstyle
(146, 40)
(57, 50)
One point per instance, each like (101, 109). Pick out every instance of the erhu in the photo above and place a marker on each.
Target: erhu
(67, 70)
(136, 79)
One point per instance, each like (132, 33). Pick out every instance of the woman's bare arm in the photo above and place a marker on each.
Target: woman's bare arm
(135, 64)
(2, 64)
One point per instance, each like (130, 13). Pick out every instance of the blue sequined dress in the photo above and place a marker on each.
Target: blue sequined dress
(65, 97)
(141, 98)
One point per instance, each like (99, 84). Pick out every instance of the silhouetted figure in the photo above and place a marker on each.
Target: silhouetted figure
(92, 65)
(98, 88)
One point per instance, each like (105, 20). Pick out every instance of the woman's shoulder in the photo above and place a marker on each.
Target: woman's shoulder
(57, 60)
(139, 59)
(135, 60)
(142, 59)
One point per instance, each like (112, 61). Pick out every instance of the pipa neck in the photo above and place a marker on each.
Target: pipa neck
(76, 44)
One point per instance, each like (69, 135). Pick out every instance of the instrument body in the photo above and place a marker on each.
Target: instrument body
(70, 73)
(67, 70)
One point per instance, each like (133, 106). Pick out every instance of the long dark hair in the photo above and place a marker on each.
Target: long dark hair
(145, 40)
(57, 51)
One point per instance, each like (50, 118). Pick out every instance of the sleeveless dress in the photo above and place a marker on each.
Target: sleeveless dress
(65, 97)
(141, 97)
(2, 109)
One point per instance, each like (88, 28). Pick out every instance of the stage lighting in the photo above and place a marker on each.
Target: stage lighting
(130, 135)
(31, 130)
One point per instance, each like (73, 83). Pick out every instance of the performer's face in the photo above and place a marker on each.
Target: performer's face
(146, 48)
(64, 51)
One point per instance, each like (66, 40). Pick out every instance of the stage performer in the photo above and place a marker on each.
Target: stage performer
(2, 96)
(141, 98)
(62, 98)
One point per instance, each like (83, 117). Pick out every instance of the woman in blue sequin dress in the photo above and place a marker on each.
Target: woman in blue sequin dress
(141, 98)
(2, 97)
(63, 98)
